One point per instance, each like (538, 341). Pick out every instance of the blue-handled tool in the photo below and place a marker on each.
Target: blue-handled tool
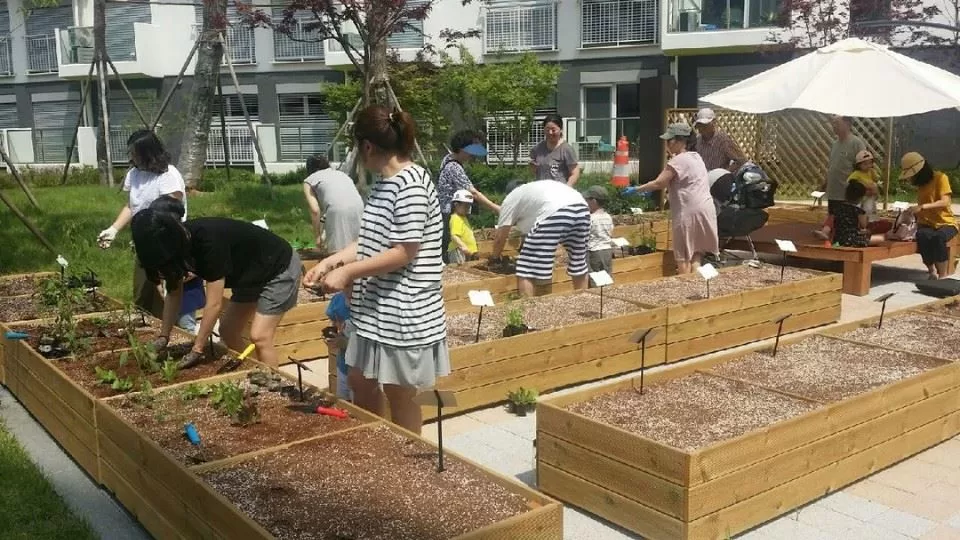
(191, 432)
(10, 334)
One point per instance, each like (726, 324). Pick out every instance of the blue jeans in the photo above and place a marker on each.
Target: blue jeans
(188, 321)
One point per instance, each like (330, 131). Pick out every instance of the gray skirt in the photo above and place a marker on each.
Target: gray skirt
(404, 366)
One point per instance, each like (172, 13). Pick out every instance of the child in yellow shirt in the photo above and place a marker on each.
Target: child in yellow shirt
(463, 245)
(865, 173)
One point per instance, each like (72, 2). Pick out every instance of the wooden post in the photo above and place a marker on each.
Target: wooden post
(223, 129)
(126, 90)
(886, 185)
(84, 97)
(33, 229)
(176, 84)
(104, 158)
(243, 106)
(396, 103)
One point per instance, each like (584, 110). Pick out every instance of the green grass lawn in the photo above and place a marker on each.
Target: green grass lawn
(29, 507)
(71, 217)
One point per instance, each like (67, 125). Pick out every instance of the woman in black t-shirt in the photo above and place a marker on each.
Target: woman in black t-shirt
(262, 270)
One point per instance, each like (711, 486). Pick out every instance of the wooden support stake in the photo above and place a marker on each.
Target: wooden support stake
(104, 157)
(19, 179)
(126, 90)
(84, 97)
(33, 229)
(223, 129)
(176, 84)
(246, 113)
(396, 103)
(343, 127)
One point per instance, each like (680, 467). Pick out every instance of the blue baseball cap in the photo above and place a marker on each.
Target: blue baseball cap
(475, 150)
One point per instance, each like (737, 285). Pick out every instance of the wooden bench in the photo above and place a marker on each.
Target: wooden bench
(857, 262)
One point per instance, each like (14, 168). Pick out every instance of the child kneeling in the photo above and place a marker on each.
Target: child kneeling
(850, 221)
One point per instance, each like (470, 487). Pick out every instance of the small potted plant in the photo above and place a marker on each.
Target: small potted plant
(522, 401)
(515, 323)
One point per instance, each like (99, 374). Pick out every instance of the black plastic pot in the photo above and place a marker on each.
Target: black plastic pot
(512, 330)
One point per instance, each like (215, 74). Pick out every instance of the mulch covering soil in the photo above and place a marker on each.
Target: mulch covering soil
(691, 287)
(366, 484)
(452, 274)
(636, 219)
(82, 372)
(694, 411)
(20, 285)
(827, 370)
(925, 334)
(282, 420)
(110, 336)
(540, 313)
(28, 308)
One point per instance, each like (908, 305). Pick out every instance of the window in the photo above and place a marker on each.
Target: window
(232, 109)
(512, 28)
(410, 37)
(610, 23)
(299, 45)
(304, 128)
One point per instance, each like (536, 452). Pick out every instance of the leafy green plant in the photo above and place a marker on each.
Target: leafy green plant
(124, 384)
(523, 396)
(515, 316)
(195, 390)
(105, 376)
(240, 406)
(142, 353)
(146, 395)
(169, 370)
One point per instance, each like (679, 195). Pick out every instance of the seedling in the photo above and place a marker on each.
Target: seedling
(515, 322)
(143, 354)
(122, 385)
(237, 404)
(145, 396)
(169, 370)
(522, 400)
(105, 376)
(194, 391)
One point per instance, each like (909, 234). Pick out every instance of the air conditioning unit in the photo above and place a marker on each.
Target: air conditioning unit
(81, 36)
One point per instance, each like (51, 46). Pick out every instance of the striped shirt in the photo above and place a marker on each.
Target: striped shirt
(403, 308)
(718, 151)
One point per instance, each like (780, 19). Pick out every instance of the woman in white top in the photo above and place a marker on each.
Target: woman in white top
(151, 176)
(397, 334)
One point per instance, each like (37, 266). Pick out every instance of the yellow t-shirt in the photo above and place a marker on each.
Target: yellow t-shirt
(460, 227)
(931, 193)
(867, 178)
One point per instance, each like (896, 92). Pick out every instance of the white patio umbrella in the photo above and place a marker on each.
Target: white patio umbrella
(851, 78)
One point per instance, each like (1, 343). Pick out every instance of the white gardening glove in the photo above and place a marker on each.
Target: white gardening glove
(107, 236)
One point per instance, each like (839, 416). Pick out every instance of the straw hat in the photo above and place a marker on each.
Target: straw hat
(910, 164)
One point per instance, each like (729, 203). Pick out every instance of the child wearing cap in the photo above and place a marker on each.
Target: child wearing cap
(866, 174)
(464, 147)
(599, 245)
(463, 245)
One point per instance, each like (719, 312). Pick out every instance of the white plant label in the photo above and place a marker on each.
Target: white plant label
(636, 211)
(818, 194)
(900, 205)
(62, 262)
(480, 298)
(786, 246)
(708, 272)
(620, 242)
(601, 278)
(262, 223)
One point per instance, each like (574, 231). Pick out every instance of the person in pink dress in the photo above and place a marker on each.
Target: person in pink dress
(692, 209)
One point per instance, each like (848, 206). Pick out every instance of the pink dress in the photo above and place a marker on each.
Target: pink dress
(692, 210)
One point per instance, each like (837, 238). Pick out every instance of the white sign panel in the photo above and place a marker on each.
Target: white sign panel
(62, 262)
(786, 246)
(480, 298)
(601, 278)
(636, 211)
(818, 194)
(708, 272)
(620, 242)
(262, 223)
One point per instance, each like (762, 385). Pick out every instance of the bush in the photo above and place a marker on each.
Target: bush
(50, 176)
(216, 179)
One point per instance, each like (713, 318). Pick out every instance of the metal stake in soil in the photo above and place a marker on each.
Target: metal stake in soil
(640, 337)
(300, 368)
(708, 288)
(436, 393)
(479, 320)
(783, 266)
(441, 399)
(883, 307)
(779, 322)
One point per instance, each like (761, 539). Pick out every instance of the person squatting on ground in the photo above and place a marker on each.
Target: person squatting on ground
(547, 213)
(692, 210)
(150, 177)
(397, 332)
(261, 269)
(463, 244)
(464, 147)
(335, 205)
(936, 224)
(600, 244)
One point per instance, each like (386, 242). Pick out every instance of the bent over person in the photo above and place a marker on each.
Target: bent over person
(548, 213)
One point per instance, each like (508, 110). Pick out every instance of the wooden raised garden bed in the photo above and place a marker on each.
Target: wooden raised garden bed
(808, 214)
(744, 302)
(714, 449)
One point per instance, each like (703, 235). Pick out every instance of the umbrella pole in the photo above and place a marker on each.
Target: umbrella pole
(886, 185)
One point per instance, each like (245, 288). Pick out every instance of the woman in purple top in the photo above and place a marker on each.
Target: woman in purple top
(692, 211)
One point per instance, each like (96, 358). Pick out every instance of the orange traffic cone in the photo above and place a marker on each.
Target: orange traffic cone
(621, 166)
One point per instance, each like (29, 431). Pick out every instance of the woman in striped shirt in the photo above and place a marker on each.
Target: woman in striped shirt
(397, 335)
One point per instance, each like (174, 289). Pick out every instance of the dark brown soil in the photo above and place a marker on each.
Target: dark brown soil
(367, 484)
(914, 332)
(82, 371)
(20, 285)
(693, 411)
(540, 313)
(108, 336)
(691, 287)
(281, 421)
(827, 370)
(29, 308)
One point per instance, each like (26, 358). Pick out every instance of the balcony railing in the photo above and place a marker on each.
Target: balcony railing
(520, 28)
(42, 54)
(301, 139)
(335, 46)
(6, 56)
(239, 140)
(710, 15)
(500, 139)
(242, 44)
(50, 145)
(297, 47)
(618, 22)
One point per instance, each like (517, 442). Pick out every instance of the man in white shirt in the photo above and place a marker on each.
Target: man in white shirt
(547, 213)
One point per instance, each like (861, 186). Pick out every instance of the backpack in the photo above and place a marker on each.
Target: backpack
(904, 228)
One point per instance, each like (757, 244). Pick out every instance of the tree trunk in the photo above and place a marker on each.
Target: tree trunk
(100, 45)
(376, 76)
(193, 151)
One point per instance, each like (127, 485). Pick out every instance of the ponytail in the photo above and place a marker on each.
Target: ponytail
(391, 131)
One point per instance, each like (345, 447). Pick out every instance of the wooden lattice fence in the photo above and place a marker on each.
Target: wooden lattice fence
(792, 147)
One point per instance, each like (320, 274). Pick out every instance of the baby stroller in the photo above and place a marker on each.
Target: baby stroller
(740, 199)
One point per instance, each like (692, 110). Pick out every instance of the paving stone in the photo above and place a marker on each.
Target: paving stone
(854, 506)
(904, 523)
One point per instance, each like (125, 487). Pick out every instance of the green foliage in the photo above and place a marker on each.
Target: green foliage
(515, 315)
(104, 376)
(169, 370)
(231, 399)
(523, 396)
(51, 177)
(194, 391)
(66, 301)
(145, 396)
(144, 354)
(216, 179)
(124, 384)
